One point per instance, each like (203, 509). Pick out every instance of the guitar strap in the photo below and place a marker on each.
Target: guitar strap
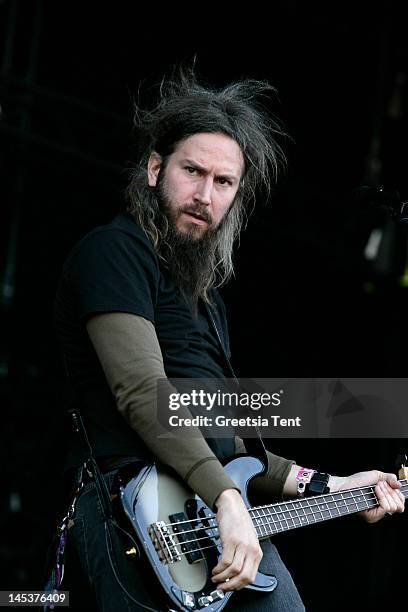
(90, 465)
(254, 445)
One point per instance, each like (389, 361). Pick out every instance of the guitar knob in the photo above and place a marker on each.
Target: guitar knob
(216, 595)
(205, 601)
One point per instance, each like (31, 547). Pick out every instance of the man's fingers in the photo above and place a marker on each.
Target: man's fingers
(387, 490)
(390, 499)
(241, 571)
(395, 493)
(225, 561)
(385, 498)
(245, 577)
(230, 569)
(392, 480)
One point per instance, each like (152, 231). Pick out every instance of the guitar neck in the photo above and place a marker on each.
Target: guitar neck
(282, 516)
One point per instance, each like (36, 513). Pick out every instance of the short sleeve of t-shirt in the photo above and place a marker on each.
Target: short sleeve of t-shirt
(114, 270)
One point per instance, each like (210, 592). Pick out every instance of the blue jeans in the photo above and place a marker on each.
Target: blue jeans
(91, 580)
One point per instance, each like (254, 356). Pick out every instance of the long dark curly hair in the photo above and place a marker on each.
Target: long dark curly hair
(187, 107)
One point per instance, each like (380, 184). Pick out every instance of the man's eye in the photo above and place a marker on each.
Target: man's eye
(190, 169)
(224, 181)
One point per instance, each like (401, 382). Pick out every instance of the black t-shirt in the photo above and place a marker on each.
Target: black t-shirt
(115, 268)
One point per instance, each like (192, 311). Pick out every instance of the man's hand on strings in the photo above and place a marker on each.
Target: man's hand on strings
(387, 491)
(241, 553)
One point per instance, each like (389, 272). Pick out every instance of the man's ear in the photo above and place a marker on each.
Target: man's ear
(153, 168)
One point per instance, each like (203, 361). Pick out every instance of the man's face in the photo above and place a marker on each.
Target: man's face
(200, 181)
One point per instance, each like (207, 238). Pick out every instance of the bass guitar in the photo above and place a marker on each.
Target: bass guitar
(179, 533)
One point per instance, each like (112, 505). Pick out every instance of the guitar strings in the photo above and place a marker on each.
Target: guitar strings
(200, 548)
(275, 516)
(270, 506)
(372, 501)
(291, 502)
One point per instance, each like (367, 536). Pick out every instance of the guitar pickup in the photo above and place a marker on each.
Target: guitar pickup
(186, 531)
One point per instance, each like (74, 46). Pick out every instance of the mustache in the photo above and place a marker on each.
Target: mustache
(198, 211)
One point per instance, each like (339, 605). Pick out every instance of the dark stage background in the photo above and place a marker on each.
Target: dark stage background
(305, 301)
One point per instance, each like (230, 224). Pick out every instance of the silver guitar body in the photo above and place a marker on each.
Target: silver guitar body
(178, 533)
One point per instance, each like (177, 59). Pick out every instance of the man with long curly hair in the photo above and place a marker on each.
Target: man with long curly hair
(138, 302)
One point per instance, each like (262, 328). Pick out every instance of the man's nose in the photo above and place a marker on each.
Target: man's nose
(204, 191)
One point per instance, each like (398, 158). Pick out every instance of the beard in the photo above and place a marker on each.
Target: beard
(190, 256)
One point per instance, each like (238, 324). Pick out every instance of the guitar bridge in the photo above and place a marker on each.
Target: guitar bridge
(164, 543)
